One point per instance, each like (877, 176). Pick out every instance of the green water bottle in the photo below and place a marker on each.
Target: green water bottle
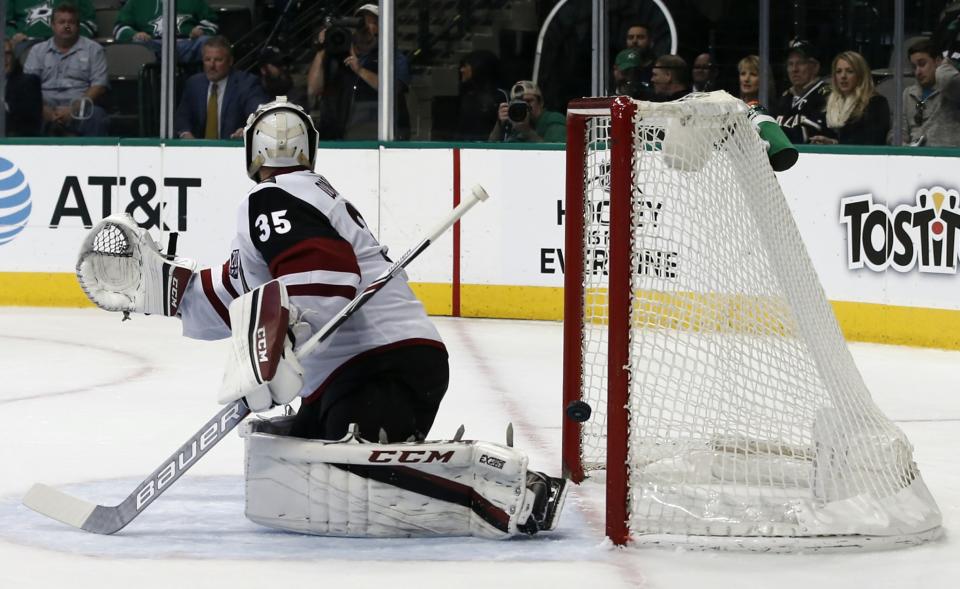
(780, 151)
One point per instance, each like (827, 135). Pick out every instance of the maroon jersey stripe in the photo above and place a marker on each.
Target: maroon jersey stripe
(206, 279)
(315, 253)
(225, 278)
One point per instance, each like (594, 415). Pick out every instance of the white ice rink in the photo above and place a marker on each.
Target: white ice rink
(92, 405)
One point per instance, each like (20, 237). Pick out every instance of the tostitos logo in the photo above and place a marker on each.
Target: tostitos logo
(15, 203)
(925, 235)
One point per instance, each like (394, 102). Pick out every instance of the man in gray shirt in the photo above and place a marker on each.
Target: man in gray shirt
(931, 107)
(73, 74)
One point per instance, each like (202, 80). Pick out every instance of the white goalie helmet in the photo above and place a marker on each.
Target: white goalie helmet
(279, 135)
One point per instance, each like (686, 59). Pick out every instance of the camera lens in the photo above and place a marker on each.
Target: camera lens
(339, 41)
(517, 111)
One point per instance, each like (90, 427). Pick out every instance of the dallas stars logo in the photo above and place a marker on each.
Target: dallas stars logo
(156, 25)
(41, 13)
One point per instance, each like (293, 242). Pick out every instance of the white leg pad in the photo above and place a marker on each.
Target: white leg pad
(360, 489)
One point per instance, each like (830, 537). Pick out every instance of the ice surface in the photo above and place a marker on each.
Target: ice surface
(92, 405)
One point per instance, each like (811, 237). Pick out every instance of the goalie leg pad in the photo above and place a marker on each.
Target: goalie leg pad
(358, 489)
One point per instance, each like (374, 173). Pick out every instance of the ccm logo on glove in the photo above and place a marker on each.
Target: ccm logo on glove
(262, 345)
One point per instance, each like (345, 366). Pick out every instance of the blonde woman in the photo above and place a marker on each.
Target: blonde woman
(856, 114)
(749, 89)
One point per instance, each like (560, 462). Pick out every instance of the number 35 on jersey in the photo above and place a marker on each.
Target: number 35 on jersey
(276, 222)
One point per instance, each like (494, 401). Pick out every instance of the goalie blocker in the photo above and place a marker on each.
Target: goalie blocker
(261, 367)
(418, 489)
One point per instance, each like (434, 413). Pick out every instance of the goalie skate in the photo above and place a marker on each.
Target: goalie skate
(550, 495)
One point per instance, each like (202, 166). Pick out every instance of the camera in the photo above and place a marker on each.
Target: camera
(518, 111)
(339, 36)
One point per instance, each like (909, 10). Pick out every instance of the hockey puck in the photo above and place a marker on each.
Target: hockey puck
(578, 411)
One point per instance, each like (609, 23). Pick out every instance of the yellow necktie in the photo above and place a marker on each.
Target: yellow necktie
(212, 130)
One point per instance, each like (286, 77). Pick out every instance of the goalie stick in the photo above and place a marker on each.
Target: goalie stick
(103, 519)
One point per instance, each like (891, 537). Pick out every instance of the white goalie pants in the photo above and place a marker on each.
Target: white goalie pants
(360, 489)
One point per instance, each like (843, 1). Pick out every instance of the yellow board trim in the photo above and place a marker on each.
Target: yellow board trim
(437, 298)
(866, 322)
(904, 326)
(511, 302)
(41, 289)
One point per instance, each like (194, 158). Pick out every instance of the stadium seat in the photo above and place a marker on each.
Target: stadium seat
(125, 64)
(124, 60)
(106, 18)
(888, 89)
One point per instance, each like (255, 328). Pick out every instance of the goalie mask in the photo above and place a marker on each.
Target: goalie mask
(279, 135)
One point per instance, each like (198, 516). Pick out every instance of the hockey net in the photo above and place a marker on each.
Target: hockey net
(727, 411)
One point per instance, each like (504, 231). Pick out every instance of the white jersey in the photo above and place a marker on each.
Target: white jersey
(296, 228)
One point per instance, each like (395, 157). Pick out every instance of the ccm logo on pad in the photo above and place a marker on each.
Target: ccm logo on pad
(409, 456)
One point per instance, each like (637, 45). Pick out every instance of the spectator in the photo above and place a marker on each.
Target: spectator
(801, 109)
(638, 38)
(73, 77)
(704, 74)
(929, 118)
(141, 21)
(531, 123)
(29, 21)
(748, 69)
(856, 113)
(217, 101)
(24, 100)
(276, 80)
(479, 95)
(628, 76)
(328, 94)
(345, 81)
(671, 78)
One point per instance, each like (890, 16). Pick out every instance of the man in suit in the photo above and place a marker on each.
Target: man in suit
(217, 101)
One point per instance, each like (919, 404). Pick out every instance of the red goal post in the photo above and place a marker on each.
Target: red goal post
(579, 113)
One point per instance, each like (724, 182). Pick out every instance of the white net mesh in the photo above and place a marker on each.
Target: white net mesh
(747, 414)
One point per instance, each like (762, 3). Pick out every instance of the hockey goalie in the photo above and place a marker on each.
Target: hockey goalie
(354, 460)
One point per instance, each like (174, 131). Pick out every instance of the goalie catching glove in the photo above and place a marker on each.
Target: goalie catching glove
(261, 367)
(120, 268)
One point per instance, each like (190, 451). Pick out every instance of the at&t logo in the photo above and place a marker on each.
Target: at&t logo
(924, 234)
(15, 203)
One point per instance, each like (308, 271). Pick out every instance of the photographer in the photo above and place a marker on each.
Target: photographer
(344, 76)
(525, 120)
